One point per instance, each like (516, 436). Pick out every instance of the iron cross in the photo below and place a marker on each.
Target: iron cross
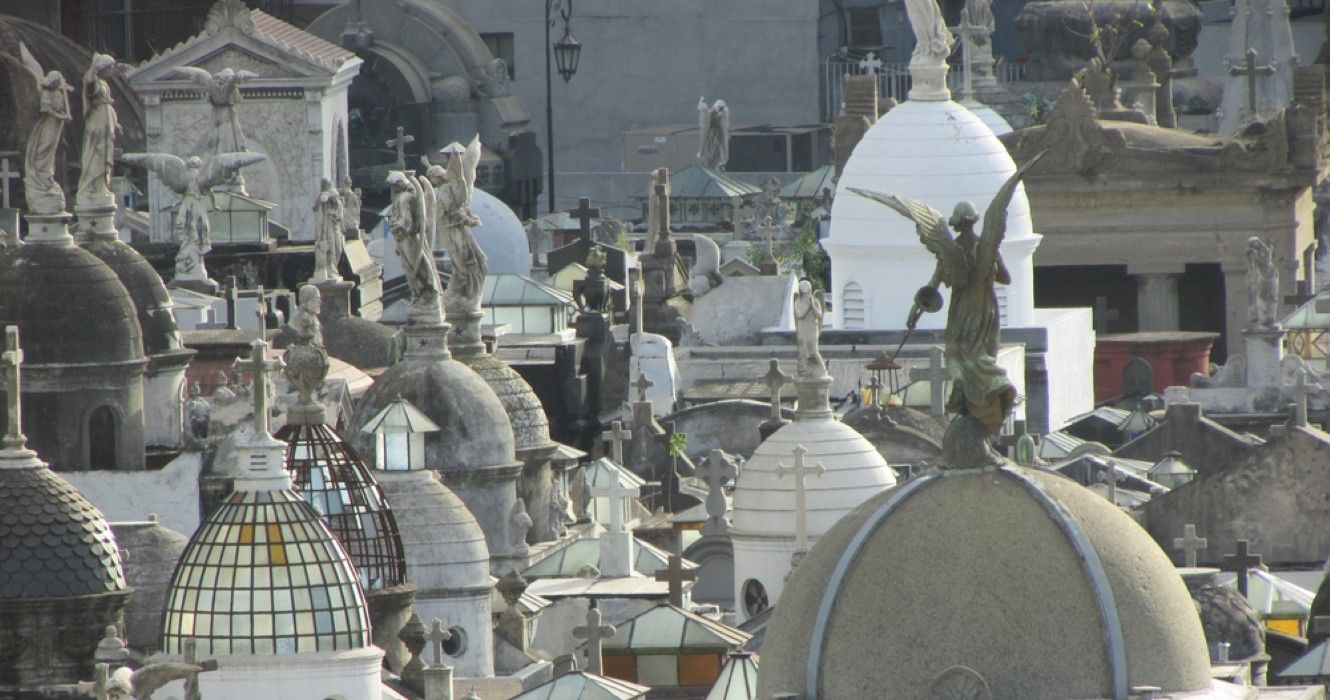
(584, 213)
(1241, 563)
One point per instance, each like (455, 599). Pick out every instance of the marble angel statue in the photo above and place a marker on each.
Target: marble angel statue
(223, 92)
(192, 180)
(100, 126)
(454, 223)
(971, 265)
(714, 139)
(407, 220)
(933, 41)
(44, 195)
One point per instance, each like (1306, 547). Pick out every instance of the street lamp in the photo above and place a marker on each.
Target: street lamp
(566, 53)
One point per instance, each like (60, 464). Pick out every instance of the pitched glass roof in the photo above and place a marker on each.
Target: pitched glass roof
(667, 629)
(738, 679)
(580, 685)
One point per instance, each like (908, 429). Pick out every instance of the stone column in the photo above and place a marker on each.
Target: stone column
(1156, 298)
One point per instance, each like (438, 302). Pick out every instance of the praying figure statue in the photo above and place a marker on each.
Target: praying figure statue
(415, 245)
(99, 129)
(329, 238)
(44, 195)
(933, 41)
(192, 180)
(454, 222)
(351, 205)
(714, 140)
(971, 265)
(223, 93)
(809, 309)
(306, 359)
(1262, 285)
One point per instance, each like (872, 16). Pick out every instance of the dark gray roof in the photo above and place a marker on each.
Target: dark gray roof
(146, 290)
(53, 542)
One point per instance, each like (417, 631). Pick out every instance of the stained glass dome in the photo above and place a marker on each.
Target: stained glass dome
(265, 575)
(329, 475)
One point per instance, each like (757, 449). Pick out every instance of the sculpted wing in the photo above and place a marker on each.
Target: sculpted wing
(931, 226)
(169, 168)
(995, 218)
(198, 76)
(218, 168)
(30, 63)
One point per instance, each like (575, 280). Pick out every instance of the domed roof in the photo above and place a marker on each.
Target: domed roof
(53, 542)
(264, 575)
(1020, 577)
(444, 546)
(531, 428)
(153, 551)
(764, 502)
(329, 475)
(155, 311)
(71, 306)
(938, 152)
(501, 235)
(474, 429)
(987, 115)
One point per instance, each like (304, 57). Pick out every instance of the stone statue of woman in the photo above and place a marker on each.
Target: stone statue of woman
(714, 134)
(454, 223)
(406, 221)
(329, 239)
(223, 93)
(99, 130)
(43, 193)
(809, 308)
(933, 41)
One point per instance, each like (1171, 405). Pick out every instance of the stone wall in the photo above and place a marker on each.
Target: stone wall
(171, 492)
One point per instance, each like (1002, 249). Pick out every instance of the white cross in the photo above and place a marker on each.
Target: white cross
(400, 142)
(800, 472)
(437, 636)
(594, 633)
(936, 374)
(12, 359)
(5, 176)
(259, 363)
(261, 311)
(1300, 391)
(617, 435)
(966, 32)
(619, 496)
(1190, 543)
(871, 63)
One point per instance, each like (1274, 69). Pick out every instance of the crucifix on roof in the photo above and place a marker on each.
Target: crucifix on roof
(1250, 69)
(260, 364)
(800, 471)
(1190, 543)
(12, 359)
(584, 213)
(775, 380)
(437, 636)
(676, 576)
(617, 435)
(621, 498)
(642, 384)
(400, 143)
(715, 471)
(1241, 562)
(595, 635)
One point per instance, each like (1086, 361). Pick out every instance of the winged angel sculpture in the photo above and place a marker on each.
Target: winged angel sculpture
(454, 221)
(43, 194)
(970, 265)
(192, 180)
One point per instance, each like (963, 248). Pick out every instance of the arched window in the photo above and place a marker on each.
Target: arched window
(102, 433)
(852, 306)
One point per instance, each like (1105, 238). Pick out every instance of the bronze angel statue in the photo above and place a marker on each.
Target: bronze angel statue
(970, 264)
(192, 180)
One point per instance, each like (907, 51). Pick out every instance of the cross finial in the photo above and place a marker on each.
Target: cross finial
(1242, 562)
(1189, 543)
(261, 311)
(870, 64)
(676, 576)
(12, 358)
(620, 496)
(260, 364)
(642, 384)
(1252, 71)
(936, 374)
(5, 176)
(595, 634)
(875, 389)
(617, 435)
(584, 213)
(400, 143)
(800, 471)
(776, 381)
(437, 636)
(716, 470)
(1299, 392)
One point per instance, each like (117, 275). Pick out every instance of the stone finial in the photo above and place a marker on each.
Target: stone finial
(512, 625)
(716, 470)
(413, 637)
(12, 359)
(438, 636)
(511, 587)
(800, 471)
(111, 649)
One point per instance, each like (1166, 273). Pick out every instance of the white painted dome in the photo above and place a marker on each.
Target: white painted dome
(987, 115)
(500, 235)
(938, 152)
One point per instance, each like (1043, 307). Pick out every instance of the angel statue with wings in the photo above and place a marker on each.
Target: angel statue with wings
(192, 180)
(714, 138)
(454, 222)
(43, 193)
(408, 221)
(970, 265)
(100, 126)
(223, 93)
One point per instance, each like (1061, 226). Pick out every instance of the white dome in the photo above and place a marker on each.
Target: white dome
(940, 153)
(500, 235)
(988, 116)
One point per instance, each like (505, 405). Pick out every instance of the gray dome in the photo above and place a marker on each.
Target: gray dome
(151, 552)
(474, 430)
(531, 428)
(444, 546)
(1040, 587)
(71, 306)
(155, 310)
(501, 235)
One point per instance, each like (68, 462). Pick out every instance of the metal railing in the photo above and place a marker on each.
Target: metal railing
(893, 80)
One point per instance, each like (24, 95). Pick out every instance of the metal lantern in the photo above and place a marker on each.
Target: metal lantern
(567, 51)
(1171, 471)
(399, 436)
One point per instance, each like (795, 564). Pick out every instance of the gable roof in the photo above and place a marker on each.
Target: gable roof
(670, 630)
(567, 562)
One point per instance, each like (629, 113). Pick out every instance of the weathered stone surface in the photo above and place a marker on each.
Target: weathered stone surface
(1226, 616)
(1056, 32)
(730, 425)
(736, 313)
(901, 435)
(150, 552)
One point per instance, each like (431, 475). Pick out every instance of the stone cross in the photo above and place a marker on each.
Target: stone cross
(715, 471)
(1299, 391)
(800, 472)
(1241, 562)
(636, 292)
(769, 229)
(437, 636)
(5, 176)
(260, 364)
(619, 496)
(617, 435)
(936, 374)
(1252, 71)
(1108, 473)
(965, 33)
(776, 381)
(642, 384)
(1189, 543)
(676, 575)
(594, 633)
(400, 143)
(584, 213)
(871, 64)
(12, 359)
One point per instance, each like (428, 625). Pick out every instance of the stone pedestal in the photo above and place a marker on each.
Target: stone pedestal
(1264, 354)
(930, 81)
(426, 341)
(1157, 302)
(95, 223)
(616, 553)
(49, 228)
(336, 298)
(465, 339)
(389, 609)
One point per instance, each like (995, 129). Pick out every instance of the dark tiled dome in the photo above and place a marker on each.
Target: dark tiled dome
(71, 306)
(53, 542)
(531, 428)
(146, 290)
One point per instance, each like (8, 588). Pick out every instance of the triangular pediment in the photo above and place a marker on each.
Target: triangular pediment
(240, 58)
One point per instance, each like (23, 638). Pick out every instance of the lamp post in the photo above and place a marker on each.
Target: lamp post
(566, 53)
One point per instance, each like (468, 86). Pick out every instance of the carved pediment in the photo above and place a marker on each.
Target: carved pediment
(240, 59)
(1076, 141)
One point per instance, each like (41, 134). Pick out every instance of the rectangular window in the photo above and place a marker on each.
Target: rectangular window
(865, 28)
(501, 45)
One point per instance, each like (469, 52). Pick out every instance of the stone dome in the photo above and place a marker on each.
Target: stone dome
(444, 546)
(151, 552)
(1020, 577)
(531, 427)
(501, 235)
(939, 152)
(71, 306)
(474, 428)
(146, 290)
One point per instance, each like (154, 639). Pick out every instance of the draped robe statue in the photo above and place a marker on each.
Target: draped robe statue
(43, 194)
(100, 126)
